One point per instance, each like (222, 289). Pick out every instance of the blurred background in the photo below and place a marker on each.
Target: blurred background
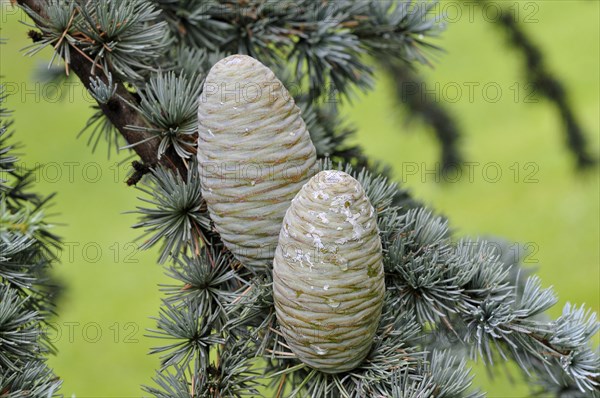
(520, 184)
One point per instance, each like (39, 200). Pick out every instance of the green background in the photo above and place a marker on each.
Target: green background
(111, 287)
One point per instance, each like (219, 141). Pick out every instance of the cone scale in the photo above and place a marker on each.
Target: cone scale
(254, 155)
(328, 280)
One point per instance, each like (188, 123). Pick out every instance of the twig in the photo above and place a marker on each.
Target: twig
(117, 109)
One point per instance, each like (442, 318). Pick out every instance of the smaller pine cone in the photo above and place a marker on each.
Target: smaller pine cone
(328, 280)
(254, 155)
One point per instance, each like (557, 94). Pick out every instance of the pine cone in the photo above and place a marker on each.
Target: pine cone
(254, 155)
(328, 280)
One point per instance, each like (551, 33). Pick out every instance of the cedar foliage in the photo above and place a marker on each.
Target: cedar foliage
(28, 249)
(446, 300)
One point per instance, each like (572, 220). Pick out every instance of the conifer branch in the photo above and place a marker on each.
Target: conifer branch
(410, 93)
(549, 86)
(118, 108)
(444, 299)
(28, 248)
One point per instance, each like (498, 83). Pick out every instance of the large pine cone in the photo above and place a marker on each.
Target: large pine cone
(328, 280)
(254, 155)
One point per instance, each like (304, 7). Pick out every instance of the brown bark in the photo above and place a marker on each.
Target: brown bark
(118, 110)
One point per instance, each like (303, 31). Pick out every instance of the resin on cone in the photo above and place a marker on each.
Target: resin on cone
(328, 279)
(254, 155)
